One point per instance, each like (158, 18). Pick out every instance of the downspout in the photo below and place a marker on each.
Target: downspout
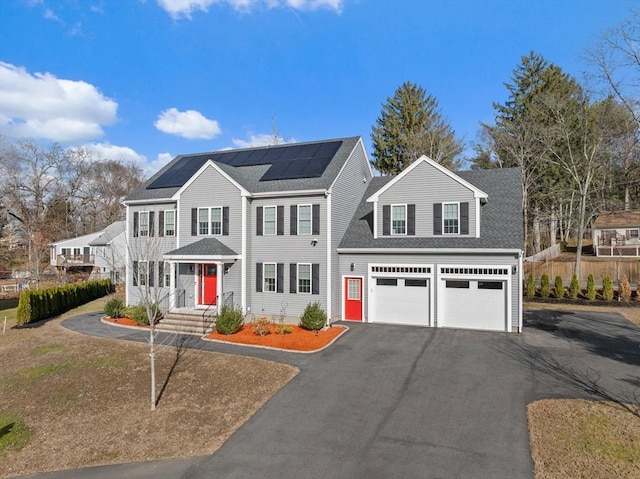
(243, 253)
(329, 250)
(520, 276)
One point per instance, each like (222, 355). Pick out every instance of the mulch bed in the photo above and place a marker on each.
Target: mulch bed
(124, 322)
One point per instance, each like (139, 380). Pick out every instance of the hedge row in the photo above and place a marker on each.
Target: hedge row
(574, 291)
(36, 305)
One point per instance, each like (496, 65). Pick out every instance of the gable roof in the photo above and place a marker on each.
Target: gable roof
(477, 193)
(203, 247)
(619, 219)
(108, 234)
(280, 168)
(501, 217)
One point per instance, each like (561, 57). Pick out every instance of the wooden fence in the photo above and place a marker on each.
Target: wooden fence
(614, 268)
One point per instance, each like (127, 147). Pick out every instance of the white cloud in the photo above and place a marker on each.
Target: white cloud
(261, 139)
(108, 151)
(185, 8)
(189, 124)
(43, 106)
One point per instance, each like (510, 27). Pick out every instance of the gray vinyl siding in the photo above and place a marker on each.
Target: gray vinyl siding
(147, 248)
(424, 186)
(285, 249)
(211, 189)
(362, 261)
(346, 194)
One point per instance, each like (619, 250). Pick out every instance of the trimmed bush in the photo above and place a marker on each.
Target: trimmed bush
(36, 305)
(229, 320)
(607, 288)
(545, 287)
(114, 308)
(574, 287)
(625, 289)
(558, 290)
(531, 286)
(314, 318)
(261, 326)
(591, 288)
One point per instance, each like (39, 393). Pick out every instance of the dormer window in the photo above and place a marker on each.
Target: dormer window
(450, 218)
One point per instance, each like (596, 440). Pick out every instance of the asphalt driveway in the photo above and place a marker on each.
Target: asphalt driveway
(407, 402)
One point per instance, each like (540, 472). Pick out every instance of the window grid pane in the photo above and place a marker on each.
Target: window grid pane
(353, 290)
(169, 223)
(167, 274)
(270, 220)
(203, 221)
(304, 278)
(144, 223)
(270, 277)
(216, 221)
(304, 219)
(450, 218)
(398, 223)
(142, 273)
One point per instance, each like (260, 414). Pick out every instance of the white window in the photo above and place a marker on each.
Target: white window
(269, 275)
(142, 273)
(76, 251)
(353, 290)
(269, 220)
(304, 278)
(170, 223)
(167, 274)
(398, 219)
(304, 219)
(144, 223)
(633, 233)
(216, 221)
(450, 218)
(210, 221)
(203, 221)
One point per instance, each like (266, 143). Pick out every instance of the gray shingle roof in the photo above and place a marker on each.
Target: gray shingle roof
(204, 247)
(108, 234)
(500, 222)
(249, 176)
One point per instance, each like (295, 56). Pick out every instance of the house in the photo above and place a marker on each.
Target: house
(101, 253)
(617, 234)
(272, 229)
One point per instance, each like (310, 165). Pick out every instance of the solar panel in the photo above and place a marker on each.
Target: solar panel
(179, 173)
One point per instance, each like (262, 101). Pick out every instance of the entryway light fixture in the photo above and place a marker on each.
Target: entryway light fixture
(353, 267)
(314, 242)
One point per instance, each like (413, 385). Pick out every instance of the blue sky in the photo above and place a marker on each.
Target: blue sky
(148, 80)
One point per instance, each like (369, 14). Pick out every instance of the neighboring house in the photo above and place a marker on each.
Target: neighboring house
(617, 234)
(272, 229)
(101, 253)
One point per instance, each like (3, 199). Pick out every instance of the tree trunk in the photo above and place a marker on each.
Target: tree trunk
(553, 226)
(536, 230)
(152, 355)
(583, 208)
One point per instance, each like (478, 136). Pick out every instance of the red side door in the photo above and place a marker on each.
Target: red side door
(353, 299)
(209, 283)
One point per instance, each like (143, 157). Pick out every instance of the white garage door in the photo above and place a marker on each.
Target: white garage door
(400, 301)
(474, 304)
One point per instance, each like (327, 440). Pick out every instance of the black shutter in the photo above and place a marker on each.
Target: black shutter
(194, 221)
(161, 274)
(293, 278)
(315, 278)
(160, 224)
(411, 220)
(437, 218)
(259, 221)
(225, 221)
(628, 234)
(315, 219)
(386, 220)
(280, 220)
(151, 272)
(259, 277)
(135, 273)
(293, 217)
(464, 218)
(135, 224)
(151, 223)
(280, 278)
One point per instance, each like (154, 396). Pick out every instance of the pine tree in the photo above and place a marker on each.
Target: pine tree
(558, 291)
(574, 287)
(545, 287)
(531, 286)
(591, 287)
(409, 126)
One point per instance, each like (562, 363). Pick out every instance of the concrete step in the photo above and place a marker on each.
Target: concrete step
(186, 323)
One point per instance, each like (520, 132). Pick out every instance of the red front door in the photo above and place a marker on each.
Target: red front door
(209, 284)
(353, 299)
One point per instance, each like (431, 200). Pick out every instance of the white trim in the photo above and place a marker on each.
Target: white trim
(329, 291)
(343, 295)
(457, 203)
(275, 220)
(477, 213)
(298, 278)
(127, 266)
(375, 220)
(477, 193)
(298, 220)
(149, 201)
(359, 143)
(428, 250)
(210, 221)
(520, 277)
(209, 163)
(164, 226)
(391, 233)
(189, 258)
(140, 213)
(279, 194)
(177, 237)
(172, 285)
(275, 273)
(243, 250)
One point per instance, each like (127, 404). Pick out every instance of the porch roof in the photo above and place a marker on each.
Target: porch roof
(206, 248)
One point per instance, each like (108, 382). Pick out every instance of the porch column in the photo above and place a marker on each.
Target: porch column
(172, 285)
(219, 280)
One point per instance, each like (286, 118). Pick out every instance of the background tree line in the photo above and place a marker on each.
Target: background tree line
(577, 143)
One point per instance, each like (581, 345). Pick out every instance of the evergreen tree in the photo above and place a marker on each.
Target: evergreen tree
(409, 126)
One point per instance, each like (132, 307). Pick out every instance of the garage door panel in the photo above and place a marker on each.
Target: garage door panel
(401, 301)
(474, 304)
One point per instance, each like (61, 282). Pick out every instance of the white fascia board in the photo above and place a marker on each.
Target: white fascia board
(513, 251)
(78, 239)
(203, 168)
(329, 265)
(150, 201)
(477, 193)
(360, 144)
(276, 194)
(189, 258)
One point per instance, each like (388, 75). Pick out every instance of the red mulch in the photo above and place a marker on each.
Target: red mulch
(124, 322)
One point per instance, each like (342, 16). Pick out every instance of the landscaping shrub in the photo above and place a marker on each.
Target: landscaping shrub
(36, 305)
(284, 328)
(229, 320)
(531, 286)
(261, 326)
(625, 289)
(114, 308)
(314, 318)
(558, 290)
(607, 288)
(545, 288)
(591, 288)
(574, 287)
